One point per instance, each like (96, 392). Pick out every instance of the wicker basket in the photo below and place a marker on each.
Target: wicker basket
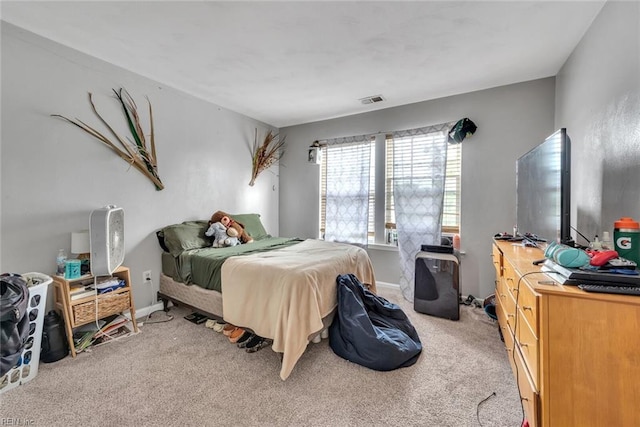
(110, 303)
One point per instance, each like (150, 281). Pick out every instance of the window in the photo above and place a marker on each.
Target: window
(381, 214)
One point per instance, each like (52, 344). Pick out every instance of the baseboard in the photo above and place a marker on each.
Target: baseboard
(387, 285)
(144, 311)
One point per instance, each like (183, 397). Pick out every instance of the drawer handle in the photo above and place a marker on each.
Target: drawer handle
(503, 295)
(524, 344)
(526, 307)
(511, 315)
(526, 399)
(514, 289)
(509, 278)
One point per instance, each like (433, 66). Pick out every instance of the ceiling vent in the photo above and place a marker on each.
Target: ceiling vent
(372, 99)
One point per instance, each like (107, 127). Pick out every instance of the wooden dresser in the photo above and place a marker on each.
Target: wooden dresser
(575, 355)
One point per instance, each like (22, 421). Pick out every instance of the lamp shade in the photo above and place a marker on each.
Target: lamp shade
(80, 242)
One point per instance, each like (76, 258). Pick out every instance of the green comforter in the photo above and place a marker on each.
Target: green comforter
(203, 266)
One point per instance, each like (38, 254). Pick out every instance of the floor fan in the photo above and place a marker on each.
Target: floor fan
(106, 240)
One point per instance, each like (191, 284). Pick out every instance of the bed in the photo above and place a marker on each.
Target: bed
(280, 288)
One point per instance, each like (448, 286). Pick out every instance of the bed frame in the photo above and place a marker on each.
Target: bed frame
(193, 297)
(209, 302)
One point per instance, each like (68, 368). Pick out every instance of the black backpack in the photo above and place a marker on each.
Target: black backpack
(14, 322)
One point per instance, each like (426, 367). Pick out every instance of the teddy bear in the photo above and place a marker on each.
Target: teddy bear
(222, 236)
(230, 223)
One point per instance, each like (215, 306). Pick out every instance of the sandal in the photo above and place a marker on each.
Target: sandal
(210, 323)
(219, 325)
(228, 328)
(236, 334)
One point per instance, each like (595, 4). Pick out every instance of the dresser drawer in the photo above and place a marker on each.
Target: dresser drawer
(507, 302)
(496, 257)
(528, 394)
(510, 279)
(509, 307)
(528, 304)
(529, 347)
(507, 335)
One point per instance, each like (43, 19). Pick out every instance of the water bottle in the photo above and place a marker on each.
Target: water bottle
(60, 262)
(626, 239)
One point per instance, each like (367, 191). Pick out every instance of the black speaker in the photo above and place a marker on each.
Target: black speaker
(437, 285)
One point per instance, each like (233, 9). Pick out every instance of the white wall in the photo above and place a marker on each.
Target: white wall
(54, 174)
(510, 119)
(598, 101)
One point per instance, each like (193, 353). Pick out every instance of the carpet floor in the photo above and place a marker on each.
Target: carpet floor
(180, 373)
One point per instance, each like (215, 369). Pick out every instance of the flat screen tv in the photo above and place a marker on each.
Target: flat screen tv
(543, 177)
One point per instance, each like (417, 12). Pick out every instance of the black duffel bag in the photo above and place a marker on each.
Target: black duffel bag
(371, 331)
(14, 322)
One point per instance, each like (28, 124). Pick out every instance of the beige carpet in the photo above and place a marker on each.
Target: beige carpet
(179, 373)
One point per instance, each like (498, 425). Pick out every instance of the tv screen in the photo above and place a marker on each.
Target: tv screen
(543, 177)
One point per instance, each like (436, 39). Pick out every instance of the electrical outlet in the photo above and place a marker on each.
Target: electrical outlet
(146, 276)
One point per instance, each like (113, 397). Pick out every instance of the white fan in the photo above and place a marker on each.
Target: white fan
(106, 240)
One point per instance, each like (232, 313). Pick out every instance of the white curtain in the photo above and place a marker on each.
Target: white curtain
(419, 167)
(347, 194)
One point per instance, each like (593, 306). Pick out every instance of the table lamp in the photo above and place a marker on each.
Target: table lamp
(80, 244)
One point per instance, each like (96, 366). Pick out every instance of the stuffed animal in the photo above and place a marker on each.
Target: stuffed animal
(229, 222)
(222, 236)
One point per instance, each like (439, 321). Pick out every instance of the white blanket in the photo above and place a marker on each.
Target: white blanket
(285, 293)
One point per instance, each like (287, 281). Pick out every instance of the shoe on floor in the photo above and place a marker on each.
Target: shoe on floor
(228, 328)
(244, 339)
(262, 343)
(210, 323)
(255, 339)
(236, 334)
(219, 325)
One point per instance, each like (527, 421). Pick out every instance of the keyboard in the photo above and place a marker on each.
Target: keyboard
(611, 289)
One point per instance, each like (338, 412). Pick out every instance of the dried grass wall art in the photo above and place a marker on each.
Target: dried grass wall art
(134, 151)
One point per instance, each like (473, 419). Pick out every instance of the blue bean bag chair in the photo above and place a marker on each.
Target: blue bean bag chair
(371, 331)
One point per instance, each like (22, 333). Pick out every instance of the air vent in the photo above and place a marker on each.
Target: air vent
(372, 99)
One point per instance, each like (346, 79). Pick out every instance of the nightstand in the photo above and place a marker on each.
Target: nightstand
(81, 311)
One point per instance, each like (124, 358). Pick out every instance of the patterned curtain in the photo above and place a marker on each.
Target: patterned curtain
(347, 195)
(419, 166)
